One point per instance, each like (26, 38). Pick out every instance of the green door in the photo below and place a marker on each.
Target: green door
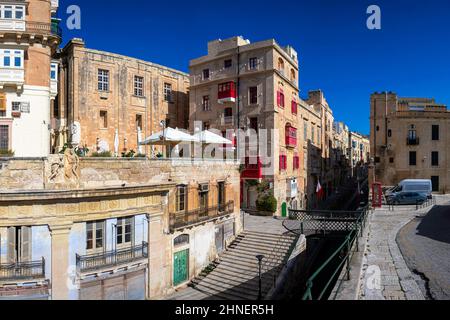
(180, 267)
(284, 210)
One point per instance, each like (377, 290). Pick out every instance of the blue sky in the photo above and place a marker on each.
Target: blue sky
(337, 53)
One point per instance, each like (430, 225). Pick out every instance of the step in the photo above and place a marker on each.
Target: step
(246, 267)
(243, 276)
(253, 252)
(269, 236)
(227, 283)
(263, 244)
(229, 294)
(242, 257)
(258, 247)
(266, 234)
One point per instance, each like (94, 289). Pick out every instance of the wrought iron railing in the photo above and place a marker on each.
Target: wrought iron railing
(93, 262)
(345, 252)
(22, 270)
(186, 218)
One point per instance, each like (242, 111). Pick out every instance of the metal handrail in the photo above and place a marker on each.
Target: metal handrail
(347, 245)
(92, 262)
(22, 270)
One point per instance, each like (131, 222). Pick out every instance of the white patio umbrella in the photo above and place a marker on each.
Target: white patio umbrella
(116, 143)
(169, 136)
(208, 137)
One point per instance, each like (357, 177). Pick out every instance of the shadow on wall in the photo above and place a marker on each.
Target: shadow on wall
(436, 224)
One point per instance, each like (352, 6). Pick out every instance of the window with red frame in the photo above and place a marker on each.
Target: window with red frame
(283, 162)
(294, 107)
(280, 98)
(296, 162)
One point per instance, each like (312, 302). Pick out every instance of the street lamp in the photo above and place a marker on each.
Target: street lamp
(260, 258)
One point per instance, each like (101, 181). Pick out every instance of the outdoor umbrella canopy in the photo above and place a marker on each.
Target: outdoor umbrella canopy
(169, 136)
(209, 137)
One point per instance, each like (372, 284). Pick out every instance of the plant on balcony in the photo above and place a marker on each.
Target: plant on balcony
(129, 154)
(4, 153)
(103, 154)
(266, 203)
(80, 151)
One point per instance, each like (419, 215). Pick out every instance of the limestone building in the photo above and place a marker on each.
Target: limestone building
(29, 37)
(409, 140)
(252, 86)
(95, 228)
(109, 101)
(359, 147)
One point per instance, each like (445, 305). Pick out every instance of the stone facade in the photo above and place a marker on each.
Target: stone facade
(107, 190)
(130, 100)
(409, 140)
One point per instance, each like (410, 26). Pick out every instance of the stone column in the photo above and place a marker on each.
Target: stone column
(156, 257)
(60, 261)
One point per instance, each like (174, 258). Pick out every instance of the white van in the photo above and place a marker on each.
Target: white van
(412, 185)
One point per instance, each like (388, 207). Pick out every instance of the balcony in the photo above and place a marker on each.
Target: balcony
(227, 93)
(98, 261)
(412, 141)
(291, 137)
(12, 25)
(14, 76)
(22, 271)
(179, 220)
(252, 170)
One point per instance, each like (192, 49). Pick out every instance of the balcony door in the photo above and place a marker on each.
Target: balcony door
(95, 237)
(221, 196)
(19, 244)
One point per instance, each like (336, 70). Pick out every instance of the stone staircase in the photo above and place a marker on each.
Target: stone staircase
(235, 275)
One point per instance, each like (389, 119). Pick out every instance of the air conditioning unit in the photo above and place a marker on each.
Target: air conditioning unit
(204, 187)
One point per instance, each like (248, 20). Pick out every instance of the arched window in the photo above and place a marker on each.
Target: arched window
(181, 240)
(280, 65)
(293, 75)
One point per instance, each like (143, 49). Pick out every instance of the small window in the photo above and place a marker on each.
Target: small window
(103, 119)
(19, 12)
(254, 124)
(124, 235)
(54, 71)
(412, 158)
(389, 133)
(138, 86)
(378, 128)
(7, 12)
(391, 160)
(435, 158)
(181, 240)
(139, 121)
(228, 63)
(253, 63)
(15, 106)
(206, 74)
(103, 80)
(168, 96)
(95, 235)
(206, 103)
(253, 95)
(435, 133)
(181, 204)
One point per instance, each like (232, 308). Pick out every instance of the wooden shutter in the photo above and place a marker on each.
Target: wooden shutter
(278, 98)
(25, 245)
(3, 102)
(11, 245)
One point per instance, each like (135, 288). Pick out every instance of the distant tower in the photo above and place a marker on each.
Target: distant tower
(30, 35)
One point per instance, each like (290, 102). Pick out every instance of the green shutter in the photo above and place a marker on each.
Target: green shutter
(180, 267)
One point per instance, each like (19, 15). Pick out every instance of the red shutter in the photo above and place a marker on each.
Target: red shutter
(294, 107)
(278, 98)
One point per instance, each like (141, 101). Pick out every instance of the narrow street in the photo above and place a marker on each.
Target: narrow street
(425, 245)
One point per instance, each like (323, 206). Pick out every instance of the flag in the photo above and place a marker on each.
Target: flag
(319, 190)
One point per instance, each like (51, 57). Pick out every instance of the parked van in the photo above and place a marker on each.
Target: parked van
(412, 185)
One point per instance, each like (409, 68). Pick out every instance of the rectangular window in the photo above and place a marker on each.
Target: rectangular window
(435, 158)
(168, 92)
(19, 12)
(435, 183)
(54, 71)
(221, 193)
(103, 119)
(305, 130)
(206, 103)
(253, 63)
(253, 95)
(280, 99)
(15, 106)
(12, 59)
(283, 162)
(7, 12)
(412, 158)
(294, 107)
(139, 121)
(125, 228)
(206, 74)
(4, 137)
(435, 132)
(181, 204)
(103, 80)
(95, 235)
(254, 124)
(228, 63)
(138, 86)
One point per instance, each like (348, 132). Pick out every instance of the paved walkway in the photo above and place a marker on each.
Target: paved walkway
(385, 274)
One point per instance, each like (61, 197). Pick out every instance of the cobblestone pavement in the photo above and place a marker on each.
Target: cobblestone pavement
(385, 274)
